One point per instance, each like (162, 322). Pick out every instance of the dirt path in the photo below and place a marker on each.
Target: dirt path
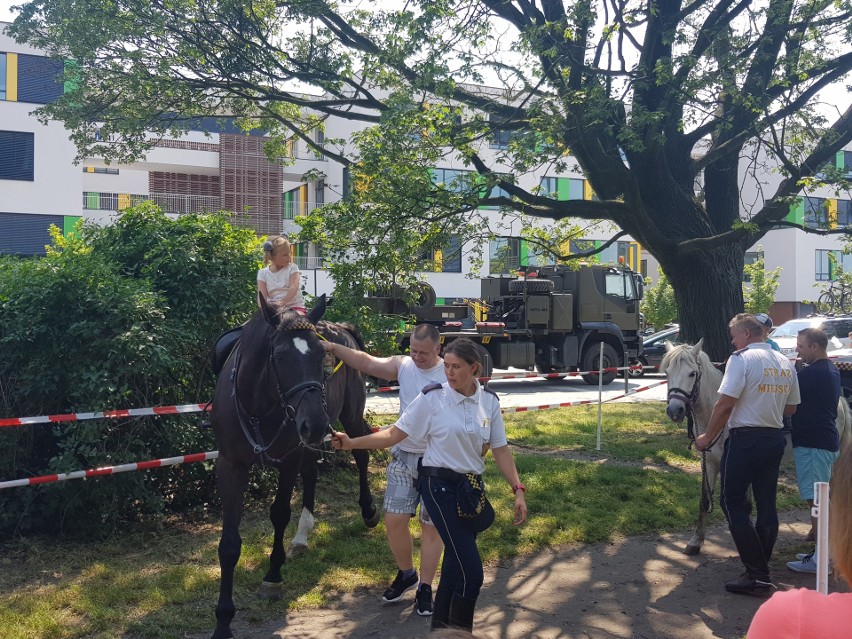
(641, 587)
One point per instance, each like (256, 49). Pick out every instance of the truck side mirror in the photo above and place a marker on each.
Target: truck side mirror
(640, 285)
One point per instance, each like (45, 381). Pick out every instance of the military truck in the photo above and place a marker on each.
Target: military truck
(553, 318)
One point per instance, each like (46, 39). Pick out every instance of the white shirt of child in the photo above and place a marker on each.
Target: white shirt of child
(278, 284)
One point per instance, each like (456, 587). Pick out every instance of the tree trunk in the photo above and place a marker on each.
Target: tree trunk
(709, 292)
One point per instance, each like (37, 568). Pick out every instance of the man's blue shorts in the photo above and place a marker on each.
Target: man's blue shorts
(812, 465)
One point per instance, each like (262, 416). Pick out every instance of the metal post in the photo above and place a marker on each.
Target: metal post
(600, 394)
(820, 512)
(626, 373)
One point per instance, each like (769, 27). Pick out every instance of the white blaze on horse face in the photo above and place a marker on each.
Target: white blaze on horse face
(301, 345)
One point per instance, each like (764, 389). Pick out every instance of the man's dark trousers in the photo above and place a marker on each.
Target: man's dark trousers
(752, 456)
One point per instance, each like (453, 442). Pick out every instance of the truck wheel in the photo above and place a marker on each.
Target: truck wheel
(426, 298)
(637, 372)
(591, 360)
(487, 361)
(531, 286)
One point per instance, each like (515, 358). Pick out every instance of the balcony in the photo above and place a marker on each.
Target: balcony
(291, 210)
(169, 202)
(309, 263)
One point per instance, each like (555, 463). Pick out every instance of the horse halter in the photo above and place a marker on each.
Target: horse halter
(255, 438)
(689, 399)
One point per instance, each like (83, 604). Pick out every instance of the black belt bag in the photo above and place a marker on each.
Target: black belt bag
(474, 510)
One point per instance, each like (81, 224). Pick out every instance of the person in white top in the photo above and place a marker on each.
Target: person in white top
(279, 280)
(423, 366)
(759, 388)
(460, 421)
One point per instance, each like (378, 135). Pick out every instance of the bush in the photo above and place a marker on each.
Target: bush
(114, 317)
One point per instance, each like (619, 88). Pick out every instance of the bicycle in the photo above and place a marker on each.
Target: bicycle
(836, 298)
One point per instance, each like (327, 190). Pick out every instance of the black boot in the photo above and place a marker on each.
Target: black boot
(441, 608)
(461, 613)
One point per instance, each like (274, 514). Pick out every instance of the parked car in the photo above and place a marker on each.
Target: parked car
(836, 328)
(653, 349)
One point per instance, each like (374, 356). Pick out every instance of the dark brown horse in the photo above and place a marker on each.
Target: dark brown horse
(274, 399)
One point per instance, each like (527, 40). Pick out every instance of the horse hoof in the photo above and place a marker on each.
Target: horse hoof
(373, 521)
(294, 550)
(270, 591)
(691, 550)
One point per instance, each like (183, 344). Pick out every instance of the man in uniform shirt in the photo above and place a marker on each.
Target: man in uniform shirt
(758, 389)
(423, 366)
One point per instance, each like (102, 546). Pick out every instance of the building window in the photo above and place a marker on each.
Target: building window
(847, 163)
(576, 189)
(347, 184)
(549, 187)
(17, 157)
(2, 76)
(750, 258)
(453, 180)
(39, 79)
(319, 193)
(500, 138)
(643, 268)
(100, 169)
(822, 272)
(816, 214)
(504, 255)
(26, 234)
(844, 213)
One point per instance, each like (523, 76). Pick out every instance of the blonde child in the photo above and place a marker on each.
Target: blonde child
(279, 280)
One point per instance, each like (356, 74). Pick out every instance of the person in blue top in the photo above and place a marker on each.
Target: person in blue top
(814, 433)
(766, 321)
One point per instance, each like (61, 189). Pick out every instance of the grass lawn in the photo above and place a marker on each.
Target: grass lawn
(161, 580)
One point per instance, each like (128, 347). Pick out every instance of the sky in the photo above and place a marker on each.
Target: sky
(6, 11)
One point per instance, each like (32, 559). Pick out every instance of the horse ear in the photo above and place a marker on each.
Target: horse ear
(697, 348)
(318, 310)
(668, 345)
(269, 312)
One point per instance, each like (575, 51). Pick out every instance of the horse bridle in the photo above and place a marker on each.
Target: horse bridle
(251, 424)
(689, 399)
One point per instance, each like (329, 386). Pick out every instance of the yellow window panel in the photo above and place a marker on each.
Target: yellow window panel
(123, 201)
(11, 77)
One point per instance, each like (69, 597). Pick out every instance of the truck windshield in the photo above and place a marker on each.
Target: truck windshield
(616, 284)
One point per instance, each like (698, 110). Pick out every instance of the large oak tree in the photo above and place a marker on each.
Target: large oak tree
(657, 101)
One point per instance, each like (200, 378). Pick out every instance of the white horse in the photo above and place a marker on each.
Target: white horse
(693, 390)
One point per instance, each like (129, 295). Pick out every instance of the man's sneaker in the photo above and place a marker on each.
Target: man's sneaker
(745, 585)
(802, 555)
(806, 563)
(423, 600)
(399, 587)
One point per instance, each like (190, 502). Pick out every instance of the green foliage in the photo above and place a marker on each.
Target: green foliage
(115, 317)
(659, 304)
(760, 296)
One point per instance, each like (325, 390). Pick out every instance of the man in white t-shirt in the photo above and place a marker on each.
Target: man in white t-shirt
(759, 388)
(423, 366)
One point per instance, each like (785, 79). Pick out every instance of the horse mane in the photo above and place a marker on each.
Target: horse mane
(682, 353)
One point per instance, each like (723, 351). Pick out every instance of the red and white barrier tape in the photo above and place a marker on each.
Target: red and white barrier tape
(526, 409)
(111, 470)
(502, 376)
(109, 414)
(198, 457)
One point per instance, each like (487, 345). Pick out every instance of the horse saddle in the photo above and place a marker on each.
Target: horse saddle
(223, 347)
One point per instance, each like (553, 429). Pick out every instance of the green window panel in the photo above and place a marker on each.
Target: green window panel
(797, 212)
(68, 223)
